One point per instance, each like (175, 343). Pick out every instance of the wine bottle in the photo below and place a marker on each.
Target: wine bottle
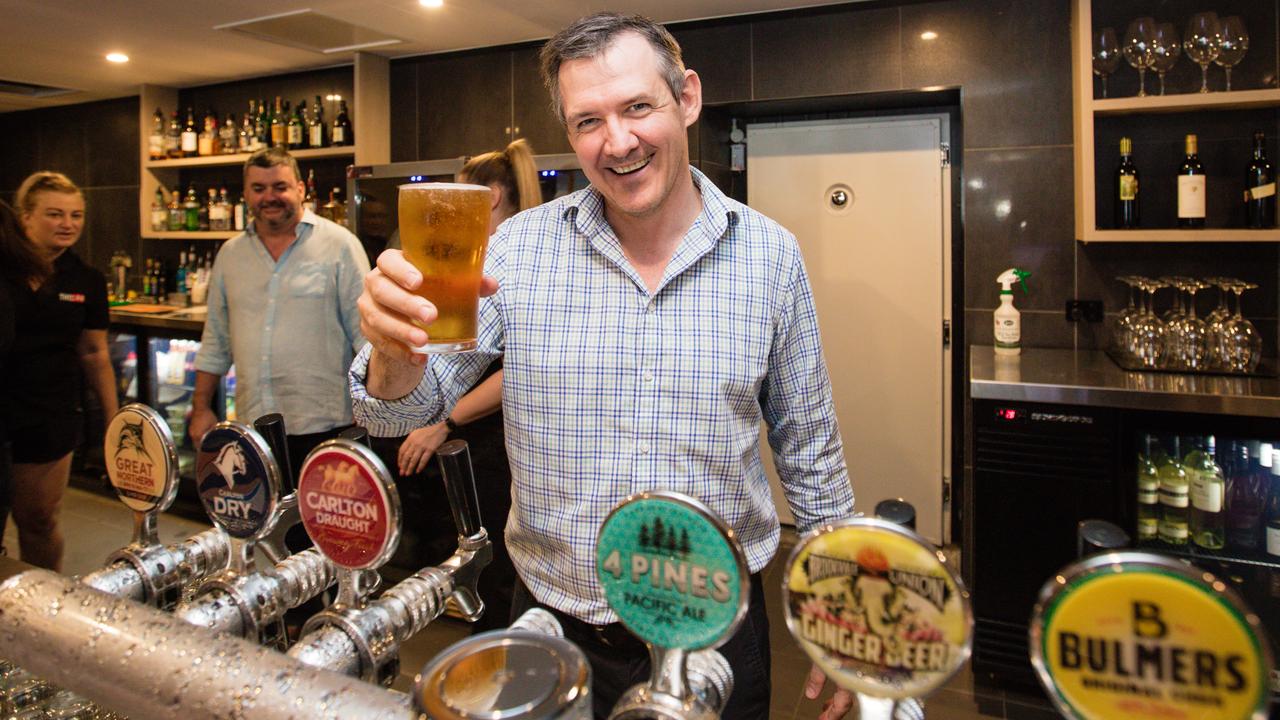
(1273, 507)
(1127, 188)
(190, 136)
(343, 133)
(1191, 188)
(155, 141)
(1260, 184)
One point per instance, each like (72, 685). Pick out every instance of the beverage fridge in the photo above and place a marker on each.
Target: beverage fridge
(1039, 468)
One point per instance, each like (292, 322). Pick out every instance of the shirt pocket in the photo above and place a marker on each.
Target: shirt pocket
(311, 280)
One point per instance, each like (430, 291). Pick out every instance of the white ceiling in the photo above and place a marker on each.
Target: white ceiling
(173, 42)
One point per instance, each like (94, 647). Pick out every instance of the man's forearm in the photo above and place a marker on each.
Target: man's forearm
(391, 379)
(206, 385)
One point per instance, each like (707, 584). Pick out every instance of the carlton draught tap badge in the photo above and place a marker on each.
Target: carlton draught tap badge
(349, 505)
(1138, 635)
(675, 575)
(877, 609)
(141, 458)
(238, 480)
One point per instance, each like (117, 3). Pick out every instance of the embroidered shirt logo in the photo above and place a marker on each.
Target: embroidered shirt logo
(71, 297)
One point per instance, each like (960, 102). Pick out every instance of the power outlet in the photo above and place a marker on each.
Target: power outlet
(1087, 310)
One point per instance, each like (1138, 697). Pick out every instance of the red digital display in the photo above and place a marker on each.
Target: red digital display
(1006, 414)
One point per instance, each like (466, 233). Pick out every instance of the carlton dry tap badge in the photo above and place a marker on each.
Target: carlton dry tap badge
(672, 571)
(349, 505)
(1139, 635)
(141, 458)
(238, 480)
(877, 608)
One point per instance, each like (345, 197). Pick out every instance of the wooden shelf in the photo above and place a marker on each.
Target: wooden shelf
(239, 158)
(190, 235)
(1187, 102)
(1208, 235)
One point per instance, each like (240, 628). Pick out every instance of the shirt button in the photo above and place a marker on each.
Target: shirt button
(642, 446)
(648, 376)
(651, 307)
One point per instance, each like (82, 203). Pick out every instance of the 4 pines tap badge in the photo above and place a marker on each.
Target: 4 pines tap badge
(1139, 635)
(877, 608)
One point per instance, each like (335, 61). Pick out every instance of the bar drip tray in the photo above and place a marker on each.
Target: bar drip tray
(1266, 368)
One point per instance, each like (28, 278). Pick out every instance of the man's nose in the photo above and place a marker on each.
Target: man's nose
(619, 140)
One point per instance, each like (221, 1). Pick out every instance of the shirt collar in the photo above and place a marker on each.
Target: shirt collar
(309, 219)
(585, 209)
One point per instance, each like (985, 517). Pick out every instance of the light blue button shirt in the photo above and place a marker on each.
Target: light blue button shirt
(290, 326)
(609, 389)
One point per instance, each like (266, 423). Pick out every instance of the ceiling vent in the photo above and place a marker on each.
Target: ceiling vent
(31, 90)
(311, 31)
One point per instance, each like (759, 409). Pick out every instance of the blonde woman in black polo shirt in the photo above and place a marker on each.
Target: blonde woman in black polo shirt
(59, 345)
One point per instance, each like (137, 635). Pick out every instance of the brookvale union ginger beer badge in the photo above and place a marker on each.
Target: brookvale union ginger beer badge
(877, 609)
(1138, 635)
(141, 459)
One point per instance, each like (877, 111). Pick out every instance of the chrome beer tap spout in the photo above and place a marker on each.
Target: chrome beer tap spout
(142, 464)
(357, 637)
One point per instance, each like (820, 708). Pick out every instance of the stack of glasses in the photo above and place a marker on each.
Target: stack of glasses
(1178, 339)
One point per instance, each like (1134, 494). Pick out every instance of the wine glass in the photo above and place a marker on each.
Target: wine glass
(1167, 47)
(1106, 55)
(1232, 44)
(1241, 343)
(1148, 331)
(1217, 319)
(1191, 333)
(1138, 51)
(1202, 43)
(1123, 334)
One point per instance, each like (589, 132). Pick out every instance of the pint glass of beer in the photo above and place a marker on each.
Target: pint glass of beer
(444, 229)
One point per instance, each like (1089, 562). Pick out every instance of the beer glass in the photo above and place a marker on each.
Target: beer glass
(444, 229)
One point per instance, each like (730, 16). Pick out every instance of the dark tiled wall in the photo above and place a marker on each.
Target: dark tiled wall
(94, 144)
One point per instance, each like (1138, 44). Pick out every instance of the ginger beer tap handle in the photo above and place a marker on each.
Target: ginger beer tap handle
(271, 428)
(460, 484)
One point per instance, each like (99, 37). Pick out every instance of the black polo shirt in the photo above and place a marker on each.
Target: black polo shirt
(41, 377)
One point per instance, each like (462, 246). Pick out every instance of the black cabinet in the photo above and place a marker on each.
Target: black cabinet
(533, 117)
(464, 104)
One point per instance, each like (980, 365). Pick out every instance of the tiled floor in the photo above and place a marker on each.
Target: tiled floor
(94, 525)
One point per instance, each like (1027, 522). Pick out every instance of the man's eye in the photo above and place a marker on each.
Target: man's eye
(586, 124)
(640, 107)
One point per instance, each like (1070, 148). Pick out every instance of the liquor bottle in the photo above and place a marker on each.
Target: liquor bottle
(309, 201)
(294, 131)
(1174, 492)
(177, 216)
(278, 121)
(159, 212)
(191, 210)
(317, 133)
(208, 140)
(1148, 497)
(1208, 488)
(1273, 506)
(159, 288)
(238, 214)
(1191, 188)
(262, 125)
(1246, 496)
(146, 280)
(343, 134)
(244, 139)
(229, 136)
(217, 220)
(192, 268)
(173, 137)
(207, 209)
(180, 275)
(155, 142)
(190, 137)
(1260, 181)
(1127, 188)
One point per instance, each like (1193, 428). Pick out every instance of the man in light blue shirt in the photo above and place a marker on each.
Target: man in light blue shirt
(282, 308)
(647, 325)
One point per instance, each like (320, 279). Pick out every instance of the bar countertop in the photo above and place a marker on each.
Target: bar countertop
(1089, 377)
(185, 320)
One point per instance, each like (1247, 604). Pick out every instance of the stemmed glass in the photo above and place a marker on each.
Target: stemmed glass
(1176, 310)
(1241, 345)
(1191, 334)
(1232, 44)
(1148, 331)
(1217, 319)
(1201, 42)
(1123, 335)
(1106, 55)
(1166, 48)
(1138, 49)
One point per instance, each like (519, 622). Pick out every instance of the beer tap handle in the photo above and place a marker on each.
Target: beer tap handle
(460, 485)
(271, 427)
(357, 434)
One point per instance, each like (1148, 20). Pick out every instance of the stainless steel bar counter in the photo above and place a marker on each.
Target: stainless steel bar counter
(1090, 378)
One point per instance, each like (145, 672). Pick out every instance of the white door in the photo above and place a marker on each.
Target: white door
(878, 265)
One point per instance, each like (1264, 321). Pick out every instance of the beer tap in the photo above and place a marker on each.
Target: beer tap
(271, 428)
(677, 578)
(879, 610)
(142, 464)
(352, 512)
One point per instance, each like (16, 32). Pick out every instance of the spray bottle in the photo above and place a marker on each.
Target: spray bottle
(1008, 320)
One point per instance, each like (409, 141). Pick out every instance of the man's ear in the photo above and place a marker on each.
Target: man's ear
(691, 97)
(495, 197)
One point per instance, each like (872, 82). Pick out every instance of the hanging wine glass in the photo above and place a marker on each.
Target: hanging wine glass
(1122, 337)
(1167, 47)
(1201, 43)
(1106, 54)
(1216, 319)
(1149, 330)
(1138, 51)
(1241, 343)
(1192, 339)
(1232, 45)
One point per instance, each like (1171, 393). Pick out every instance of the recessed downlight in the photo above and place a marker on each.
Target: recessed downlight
(431, 3)
(117, 57)
(928, 35)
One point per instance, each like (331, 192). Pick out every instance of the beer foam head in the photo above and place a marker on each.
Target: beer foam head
(442, 186)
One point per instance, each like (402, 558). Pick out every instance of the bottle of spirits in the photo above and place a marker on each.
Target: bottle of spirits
(190, 136)
(1174, 498)
(207, 141)
(317, 132)
(1148, 497)
(1273, 506)
(1208, 489)
(173, 137)
(1127, 188)
(1191, 187)
(177, 216)
(294, 131)
(1260, 181)
(343, 134)
(262, 125)
(155, 141)
(245, 137)
(159, 284)
(146, 280)
(180, 275)
(217, 221)
(309, 201)
(207, 208)
(229, 135)
(191, 210)
(159, 212)
(238, 214)
(278, 121)
(1247, 487)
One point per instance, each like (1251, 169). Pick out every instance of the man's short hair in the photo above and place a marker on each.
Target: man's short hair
(590, 36)
(271, 157)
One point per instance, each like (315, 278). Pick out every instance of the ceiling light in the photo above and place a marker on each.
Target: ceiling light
(117, 57)
(928, 35)
(431, 3)
(333, 98)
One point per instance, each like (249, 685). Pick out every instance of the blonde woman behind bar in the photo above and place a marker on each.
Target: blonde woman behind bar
(59, 346)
